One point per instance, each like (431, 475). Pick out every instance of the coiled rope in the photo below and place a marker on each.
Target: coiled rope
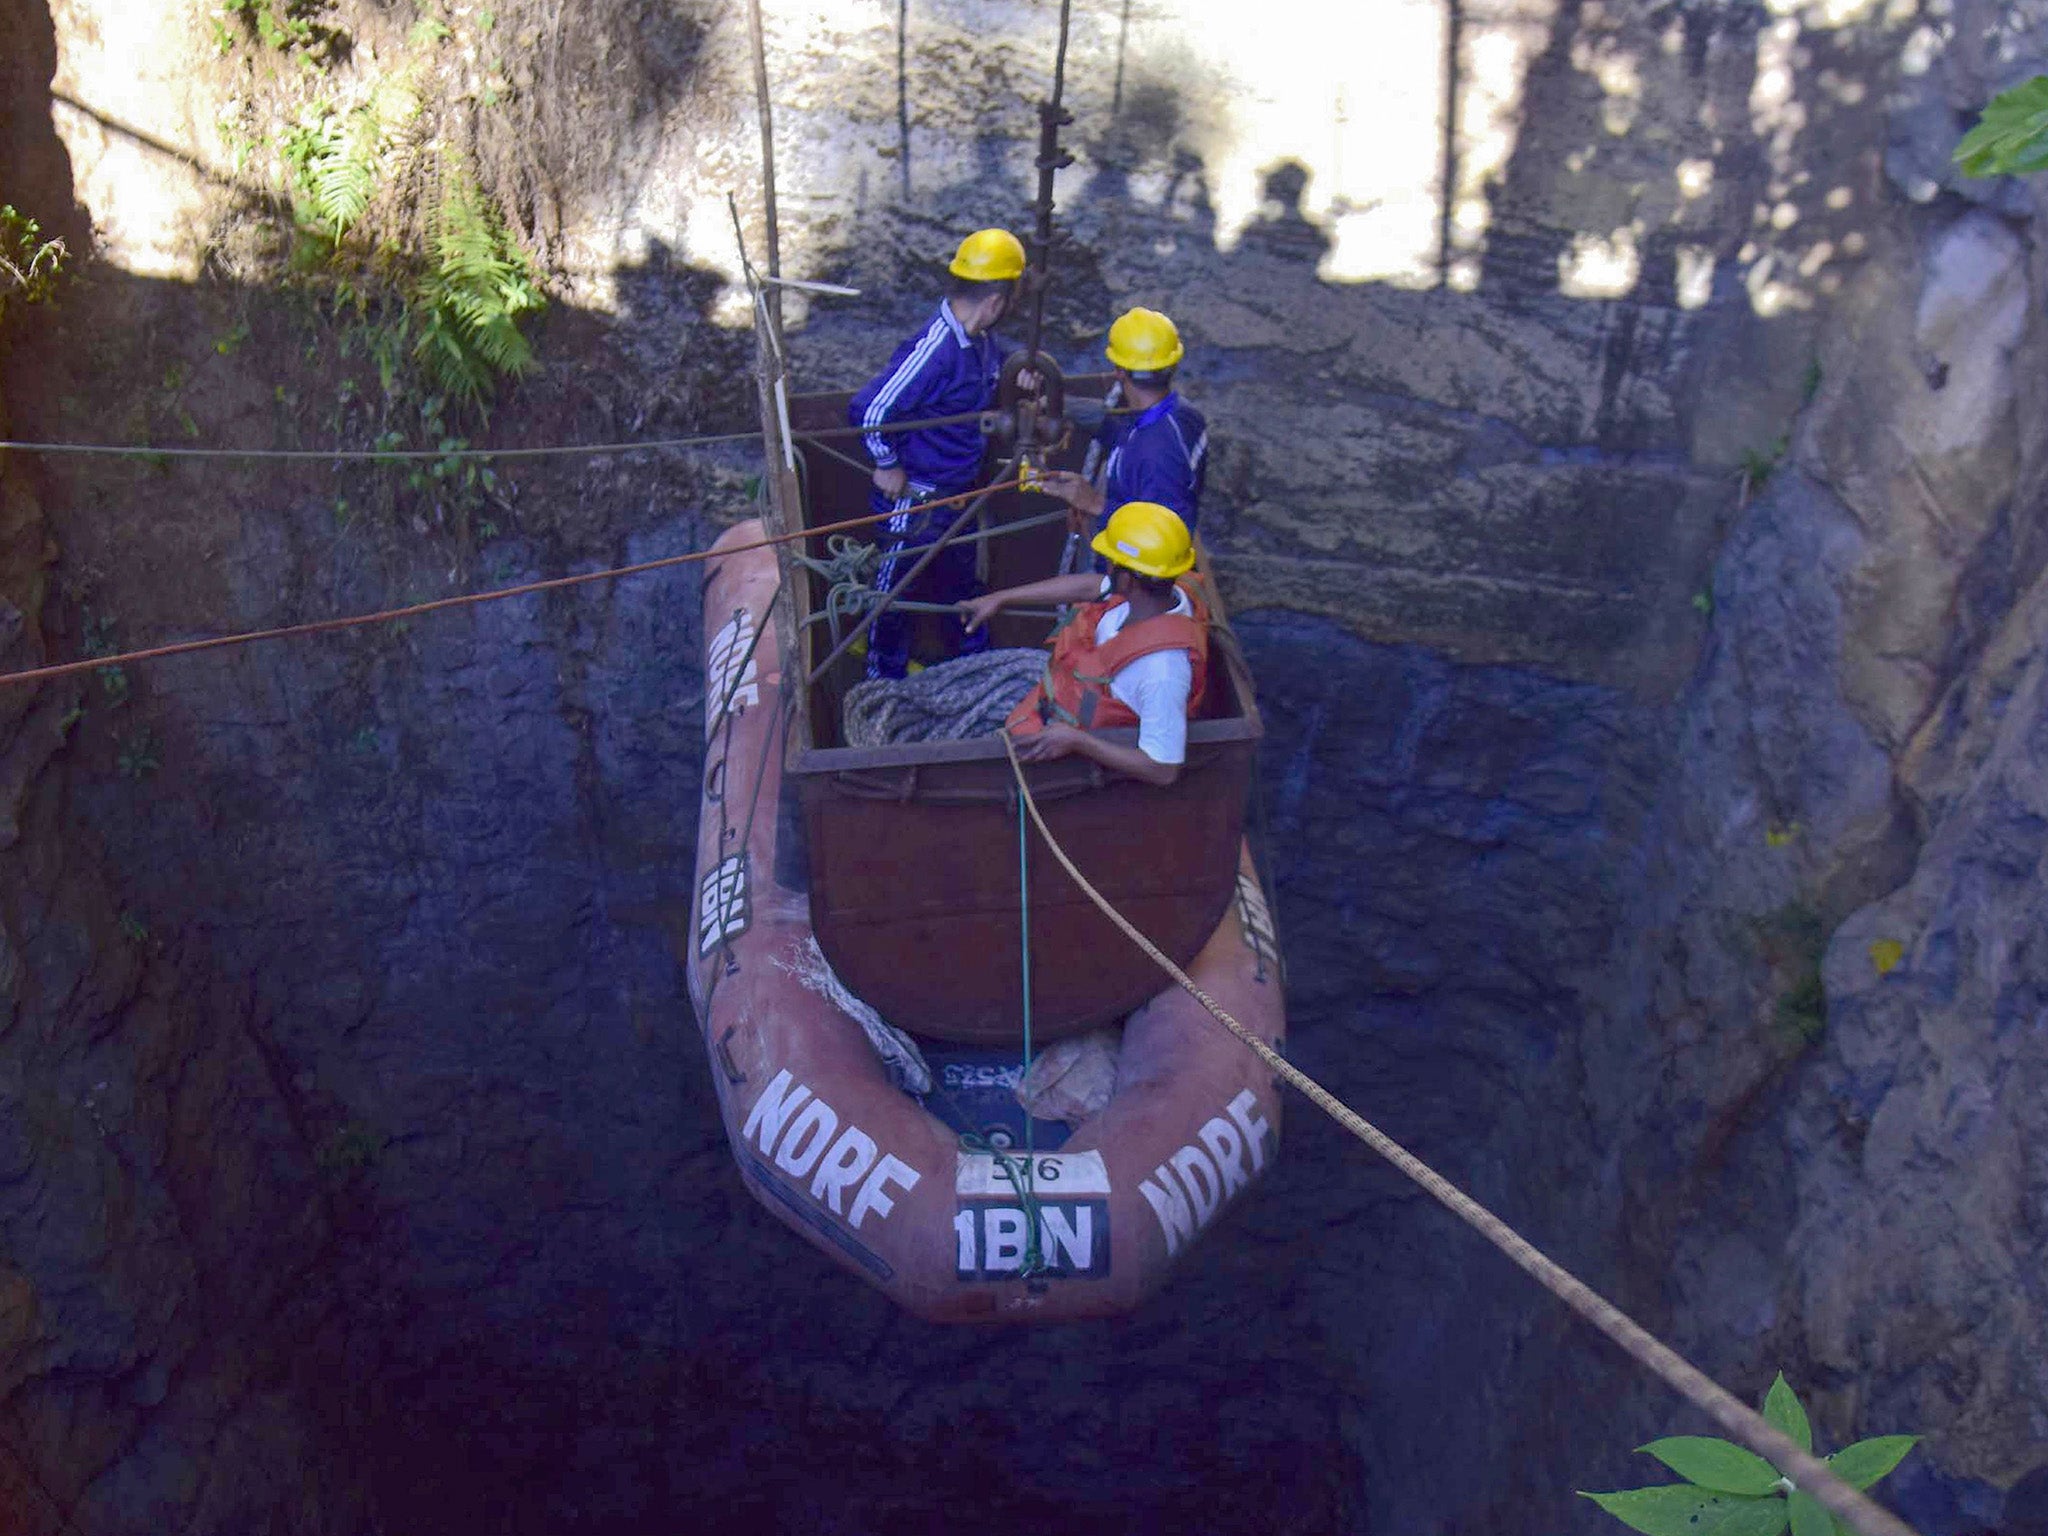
(1805, 1470)
(952, 700)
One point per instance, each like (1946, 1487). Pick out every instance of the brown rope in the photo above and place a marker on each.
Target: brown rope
(464, 600)
(339, 455)
(1805, 1470)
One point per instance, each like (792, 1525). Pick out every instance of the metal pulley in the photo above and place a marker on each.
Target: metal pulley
(1031, 423)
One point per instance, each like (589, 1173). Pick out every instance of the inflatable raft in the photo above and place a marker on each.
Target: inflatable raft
(910, 859)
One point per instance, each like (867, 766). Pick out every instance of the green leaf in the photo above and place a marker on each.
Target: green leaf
(1715, 1464)
(2011, 138)
(1679, 1509)
(1866, 1461)
(1810, 1517)
(1783, 1412)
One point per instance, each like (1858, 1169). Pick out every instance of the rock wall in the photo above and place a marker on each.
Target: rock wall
(366, 1175)
(1815, 1071)
(171, 1346)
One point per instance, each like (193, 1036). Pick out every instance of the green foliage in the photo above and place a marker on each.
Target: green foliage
(1810, 1517)
(453, 478)
(170, 398)
(99, 641)
(1794, 940)
(2011, 138)
(1730, 1491)
(281, 24)
(1680, 1509)
(1866, 1461)
(1714, 1464)
(1809, 385)
(459, 306)
(1782, 1409)
(30, 266)
(1803, 1006)
(350, 1150)
(137, 757)
(451, 313)
(134, 929)
(1759, 464)
(473, 298)
(334, 159)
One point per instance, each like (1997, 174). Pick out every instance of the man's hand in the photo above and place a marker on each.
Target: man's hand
(977, 611)
(892, 481)
(1055, 741)
(1073, 489)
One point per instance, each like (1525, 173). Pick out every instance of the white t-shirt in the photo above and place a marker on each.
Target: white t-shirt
(1154, 687)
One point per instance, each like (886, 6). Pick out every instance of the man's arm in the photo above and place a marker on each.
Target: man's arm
(1059, 740)
(1081, 588)
(1076, 491)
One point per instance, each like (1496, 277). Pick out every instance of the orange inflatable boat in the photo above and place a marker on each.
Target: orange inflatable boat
(929, 1193)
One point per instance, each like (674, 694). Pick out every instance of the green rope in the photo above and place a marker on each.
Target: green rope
(1023, 1181)
(1034, 1260)
(848, 563)
(843, 568)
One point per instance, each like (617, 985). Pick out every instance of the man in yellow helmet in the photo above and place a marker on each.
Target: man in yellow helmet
(1156, 448)
(1137, 655)
(950, 368)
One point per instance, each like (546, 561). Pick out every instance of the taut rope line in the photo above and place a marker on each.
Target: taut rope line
(1805, 1470)
(461, 600)
(417, 455)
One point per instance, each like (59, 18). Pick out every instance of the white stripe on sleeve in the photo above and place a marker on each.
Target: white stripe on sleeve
(877, 413)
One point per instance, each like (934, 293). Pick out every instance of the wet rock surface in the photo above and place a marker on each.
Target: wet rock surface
(359, 1169)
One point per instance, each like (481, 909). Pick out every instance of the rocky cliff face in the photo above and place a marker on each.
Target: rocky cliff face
(1653, 800)
(171, 1348)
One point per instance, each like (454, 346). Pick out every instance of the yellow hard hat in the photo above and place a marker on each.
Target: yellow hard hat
(1145, 537)
(989, 256)
(1144, 341)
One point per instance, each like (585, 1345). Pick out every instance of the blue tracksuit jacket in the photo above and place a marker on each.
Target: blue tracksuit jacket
(941, 371)
(1159, 455)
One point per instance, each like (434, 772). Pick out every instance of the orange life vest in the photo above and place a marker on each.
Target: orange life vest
(1075, 686)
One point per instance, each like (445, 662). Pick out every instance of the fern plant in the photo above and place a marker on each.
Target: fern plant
(337, 159)
(334, 159)
(456, 308)
(471, 302)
